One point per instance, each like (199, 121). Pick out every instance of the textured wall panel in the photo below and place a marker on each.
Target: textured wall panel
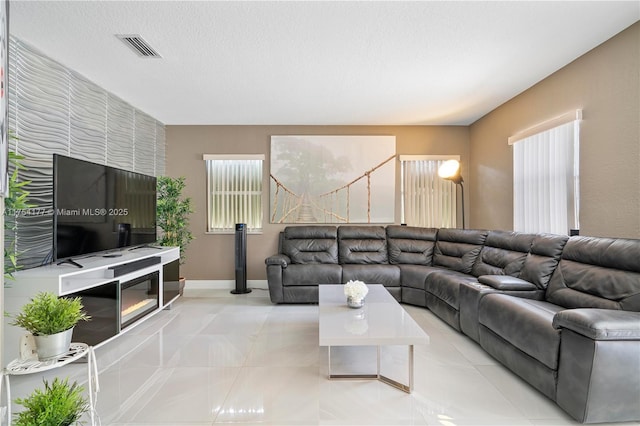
(144, 155)
(40, 116)
(119, 133)
(42, 99)
(160, 149)
(88, 109)
(55, 110)
(11, 98)
(35, 232)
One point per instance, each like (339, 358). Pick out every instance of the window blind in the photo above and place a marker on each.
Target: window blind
(234, 192)
(546, 179)
(427, 199)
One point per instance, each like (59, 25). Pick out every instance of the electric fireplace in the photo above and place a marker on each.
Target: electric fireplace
(138, 298)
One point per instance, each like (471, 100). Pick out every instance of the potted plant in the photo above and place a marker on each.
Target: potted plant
(51, 320)
(60, 404)
(173, 211)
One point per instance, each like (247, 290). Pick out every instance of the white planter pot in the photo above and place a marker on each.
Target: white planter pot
(54, 345)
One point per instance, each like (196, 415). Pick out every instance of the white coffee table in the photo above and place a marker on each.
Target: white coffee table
(384, 323)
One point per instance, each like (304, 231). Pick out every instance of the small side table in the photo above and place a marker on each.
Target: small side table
(75, 352)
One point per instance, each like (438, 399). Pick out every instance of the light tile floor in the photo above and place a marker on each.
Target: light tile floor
(219, 358)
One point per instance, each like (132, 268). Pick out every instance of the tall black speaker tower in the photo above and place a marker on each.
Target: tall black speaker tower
(241, 260)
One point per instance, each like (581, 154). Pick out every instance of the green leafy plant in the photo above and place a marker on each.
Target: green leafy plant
(60, 404)
(173, 212)
(15, 204)
(48, 314)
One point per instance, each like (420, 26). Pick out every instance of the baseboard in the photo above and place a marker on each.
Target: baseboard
(195, 285)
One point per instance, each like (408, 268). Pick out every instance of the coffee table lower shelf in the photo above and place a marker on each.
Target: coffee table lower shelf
(408, 388)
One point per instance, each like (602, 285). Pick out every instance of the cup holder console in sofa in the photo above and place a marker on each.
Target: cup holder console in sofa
(561, 312)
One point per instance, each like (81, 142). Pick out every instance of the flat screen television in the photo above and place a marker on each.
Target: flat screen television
(97, 208)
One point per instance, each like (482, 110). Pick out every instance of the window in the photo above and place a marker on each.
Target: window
(234, 192)
(546, 176)
(427, 199)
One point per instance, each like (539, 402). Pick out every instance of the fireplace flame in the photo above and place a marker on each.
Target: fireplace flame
(137, 307)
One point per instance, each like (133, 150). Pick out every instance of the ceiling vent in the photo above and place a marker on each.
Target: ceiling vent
(138, 45)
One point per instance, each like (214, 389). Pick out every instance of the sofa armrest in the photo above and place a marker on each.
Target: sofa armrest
(506, 282)
(278, 259)
(600, 324)
(276, 266)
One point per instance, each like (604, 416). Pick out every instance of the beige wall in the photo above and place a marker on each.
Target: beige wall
(210, 257)
(605, 83)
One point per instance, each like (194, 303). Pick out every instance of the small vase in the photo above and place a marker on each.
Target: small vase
(54, 345)
(355, 303)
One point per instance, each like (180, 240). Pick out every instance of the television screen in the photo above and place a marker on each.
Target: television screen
(99, 208)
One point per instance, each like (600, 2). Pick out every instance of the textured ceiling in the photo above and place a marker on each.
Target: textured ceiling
(436, 62)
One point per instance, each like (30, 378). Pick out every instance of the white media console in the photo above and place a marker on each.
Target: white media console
(117, 292)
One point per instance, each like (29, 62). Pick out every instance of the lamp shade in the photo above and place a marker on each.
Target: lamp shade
(450, 170)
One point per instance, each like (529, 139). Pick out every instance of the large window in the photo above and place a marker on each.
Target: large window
(546, 176)
(427, 199)
(234, 192)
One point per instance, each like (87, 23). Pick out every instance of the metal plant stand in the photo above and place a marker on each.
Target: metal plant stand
(76, 351)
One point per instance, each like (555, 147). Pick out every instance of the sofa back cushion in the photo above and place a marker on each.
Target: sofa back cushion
(597, 273)
(458, 249)
(411, 245)
(503, 253)
(362, 244)
(543, 259)
(310, 244)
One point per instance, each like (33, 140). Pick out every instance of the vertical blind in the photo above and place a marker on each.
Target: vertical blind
(234, 192)
(427, 199)
(546, 179)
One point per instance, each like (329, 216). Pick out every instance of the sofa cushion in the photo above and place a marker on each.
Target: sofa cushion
(311, 274)
(414, 275)
(524, 323)
(411, 245)
(597, 273)
(458, 249)
(310, 244)
(445, 285)
(503, 253)
(387, 275)
(362, 245)
(543, 258)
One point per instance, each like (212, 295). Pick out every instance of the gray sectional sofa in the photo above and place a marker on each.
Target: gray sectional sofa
(562, 313)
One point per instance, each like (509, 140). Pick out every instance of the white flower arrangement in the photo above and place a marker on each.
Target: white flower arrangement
(356, 290)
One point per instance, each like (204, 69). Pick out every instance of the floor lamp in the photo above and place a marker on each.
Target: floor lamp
(450, 170)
